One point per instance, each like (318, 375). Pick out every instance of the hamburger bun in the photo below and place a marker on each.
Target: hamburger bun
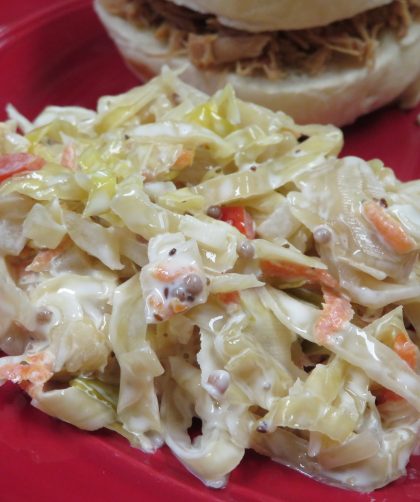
(337, 95)
(272, 15)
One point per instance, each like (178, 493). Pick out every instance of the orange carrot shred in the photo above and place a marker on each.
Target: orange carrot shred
(406, 349)
(185, 159)
(388, 227)
(68, 157)
(230, 297)
(34, 369)
(383, 395)
(164, 275)
(177, 306)
(42, 260)
(335, 313)
(293, 271)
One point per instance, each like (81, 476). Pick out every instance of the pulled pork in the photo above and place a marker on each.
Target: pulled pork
(210, 45)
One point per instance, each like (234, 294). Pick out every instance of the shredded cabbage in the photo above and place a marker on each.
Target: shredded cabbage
(181, 256)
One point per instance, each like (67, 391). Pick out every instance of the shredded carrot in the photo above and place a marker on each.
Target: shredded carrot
(156, 303)
(185, 159)
(35, 369)
(239, 217)
(15, 163)
(164, 275)
(335, 313)
(177, 306)
(406, 349)
(19, 263)
(230, 297)
(162, 311)
(42, 260)
(388, 228)
(289, 271)
(68, 157)
(336, 310)
(383, 395)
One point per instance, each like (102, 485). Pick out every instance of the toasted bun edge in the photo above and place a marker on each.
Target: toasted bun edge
(273, 15)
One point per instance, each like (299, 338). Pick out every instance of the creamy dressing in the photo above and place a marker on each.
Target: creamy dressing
(173, 262)
(70, 297)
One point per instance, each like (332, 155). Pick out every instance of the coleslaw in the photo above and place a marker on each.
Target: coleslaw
(173, 256)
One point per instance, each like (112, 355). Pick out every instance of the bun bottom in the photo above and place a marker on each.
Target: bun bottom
(337, 96)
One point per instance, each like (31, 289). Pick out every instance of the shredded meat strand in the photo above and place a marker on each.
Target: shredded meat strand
(208, 44)
(206, 50)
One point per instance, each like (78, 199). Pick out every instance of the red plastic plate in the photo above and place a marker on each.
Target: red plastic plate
(56, 52)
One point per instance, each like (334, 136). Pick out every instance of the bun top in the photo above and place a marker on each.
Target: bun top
(273, 15)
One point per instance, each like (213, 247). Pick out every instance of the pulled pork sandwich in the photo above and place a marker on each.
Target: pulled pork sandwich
(317, 60)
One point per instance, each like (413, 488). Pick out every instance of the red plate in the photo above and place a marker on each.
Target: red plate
(56, 52)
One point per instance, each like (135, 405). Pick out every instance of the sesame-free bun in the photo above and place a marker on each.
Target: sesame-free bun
(271, 15)
(338, 95)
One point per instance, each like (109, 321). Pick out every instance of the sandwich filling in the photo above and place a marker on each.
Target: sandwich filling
(210, 45)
